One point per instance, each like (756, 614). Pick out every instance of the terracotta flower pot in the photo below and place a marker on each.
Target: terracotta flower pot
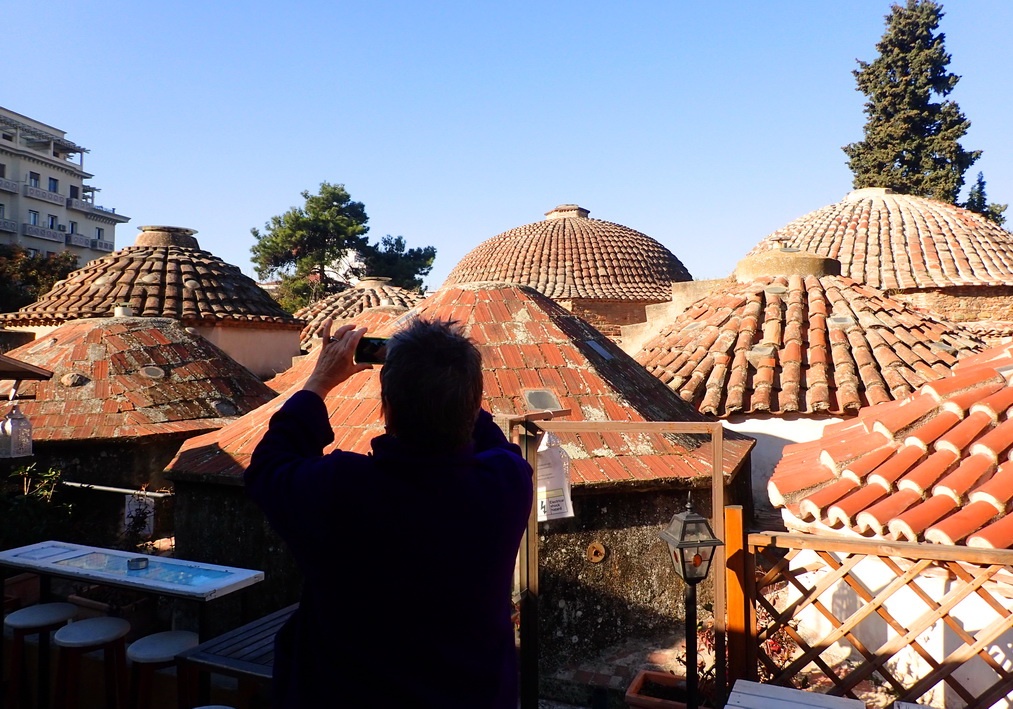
(652, 689)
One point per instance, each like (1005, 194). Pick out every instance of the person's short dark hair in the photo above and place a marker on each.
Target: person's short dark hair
(431, 385)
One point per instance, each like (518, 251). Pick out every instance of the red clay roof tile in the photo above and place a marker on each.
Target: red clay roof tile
(960, 492)
(130, 384)
(769, 372)
(596, 380)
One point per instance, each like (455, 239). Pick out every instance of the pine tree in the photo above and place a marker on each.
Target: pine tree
(911, 140)
(978, 202)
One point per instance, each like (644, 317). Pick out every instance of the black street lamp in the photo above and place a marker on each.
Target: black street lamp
(691, 543)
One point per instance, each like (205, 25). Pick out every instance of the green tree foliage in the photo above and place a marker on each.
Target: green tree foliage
(978, 202)
(911, 139)
(24, 278)
(405, 267)
(303, 245)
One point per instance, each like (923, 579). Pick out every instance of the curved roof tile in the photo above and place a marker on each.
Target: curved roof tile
(164, 274)
(935, 466)
(116, 378)
(569, 255)
(349, 304)
(528, 343)
(808, 344)
(896, 241)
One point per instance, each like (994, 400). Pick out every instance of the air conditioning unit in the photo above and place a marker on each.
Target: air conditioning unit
(61, 227)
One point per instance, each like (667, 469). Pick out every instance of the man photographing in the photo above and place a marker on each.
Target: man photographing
(407, 553)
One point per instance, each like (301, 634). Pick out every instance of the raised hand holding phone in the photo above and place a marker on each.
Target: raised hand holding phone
(335, 358)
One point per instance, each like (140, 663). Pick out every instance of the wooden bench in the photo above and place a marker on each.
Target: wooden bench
(752, 695)
(246, 653)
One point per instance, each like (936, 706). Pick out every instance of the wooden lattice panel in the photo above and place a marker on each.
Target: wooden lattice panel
(813, 568)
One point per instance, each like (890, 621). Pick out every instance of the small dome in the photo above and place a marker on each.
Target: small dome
(897, 241)
(569, 255)
(164, 274)
(370, 292)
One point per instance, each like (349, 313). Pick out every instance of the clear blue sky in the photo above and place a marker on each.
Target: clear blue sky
(705, 125)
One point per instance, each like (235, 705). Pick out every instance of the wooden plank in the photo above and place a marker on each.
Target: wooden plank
(753, 695)
(739, 630)
(907, 550)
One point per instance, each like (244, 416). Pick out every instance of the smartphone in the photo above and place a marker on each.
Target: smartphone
(371, 350)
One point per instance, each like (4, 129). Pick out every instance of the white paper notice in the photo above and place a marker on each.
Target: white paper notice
(553, 480)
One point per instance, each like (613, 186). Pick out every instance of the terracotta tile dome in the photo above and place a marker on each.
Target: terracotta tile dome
(164, 274)
(370, 292)
(570, 256)
(897, 241)
(128, 378)
(805, 340)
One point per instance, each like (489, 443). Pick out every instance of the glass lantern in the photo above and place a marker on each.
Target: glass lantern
(15, 434)
(691, 543)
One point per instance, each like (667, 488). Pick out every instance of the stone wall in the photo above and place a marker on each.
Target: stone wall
(608, 316)
(970, 304)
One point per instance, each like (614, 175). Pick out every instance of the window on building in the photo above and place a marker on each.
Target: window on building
(3, 170)
(33, 217)
(33, 252)
(3, 210)
(33, 179)
(8, 136)
(54, 184)
(73, 227)
(100, 233)
(51, 221)
(74, 192)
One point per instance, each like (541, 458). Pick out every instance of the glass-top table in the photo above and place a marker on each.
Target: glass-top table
(142, 572)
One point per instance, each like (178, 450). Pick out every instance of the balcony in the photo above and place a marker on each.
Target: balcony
(78, 239)
(42, 233)
(8, 185)
(95, 210)
(8, 225)
(45, 195)
(99, 245)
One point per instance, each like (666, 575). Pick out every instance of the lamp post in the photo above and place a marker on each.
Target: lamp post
(691, 544)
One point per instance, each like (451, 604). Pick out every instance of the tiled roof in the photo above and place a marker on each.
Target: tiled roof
(895, 241)
(934, 466)
(119, 378)
(527, 343)
(570, 255)
(372, 319)
(164, 274)
(348, 304)
(814, 344)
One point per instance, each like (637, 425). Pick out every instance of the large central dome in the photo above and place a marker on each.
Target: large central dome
(569, 256)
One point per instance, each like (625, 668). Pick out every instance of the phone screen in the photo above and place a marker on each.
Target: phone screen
(371, 350)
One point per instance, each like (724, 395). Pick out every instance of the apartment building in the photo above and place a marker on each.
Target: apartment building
(45, 205)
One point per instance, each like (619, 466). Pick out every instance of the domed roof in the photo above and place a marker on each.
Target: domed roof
(370, 292)
(805, 340)
(535, 355)
(569, 255)
(896, 241)
(164, 274)
(117, 378)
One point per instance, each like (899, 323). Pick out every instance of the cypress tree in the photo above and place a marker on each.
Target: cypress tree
(978, 202)
(911, 138)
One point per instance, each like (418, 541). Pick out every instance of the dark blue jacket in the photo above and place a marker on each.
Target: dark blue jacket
(408, 561)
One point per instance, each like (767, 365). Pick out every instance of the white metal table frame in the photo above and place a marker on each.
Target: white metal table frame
(162, 576)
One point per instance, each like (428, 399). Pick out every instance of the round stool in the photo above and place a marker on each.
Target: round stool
(43, 619)
(152, 653)
(76, 640)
